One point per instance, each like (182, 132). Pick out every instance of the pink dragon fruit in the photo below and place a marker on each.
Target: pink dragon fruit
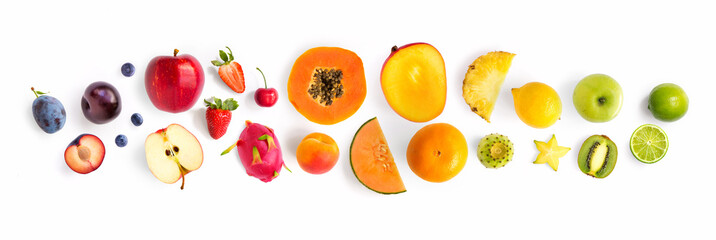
(259, 151)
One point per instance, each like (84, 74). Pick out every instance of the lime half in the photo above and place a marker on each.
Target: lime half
(649, 143)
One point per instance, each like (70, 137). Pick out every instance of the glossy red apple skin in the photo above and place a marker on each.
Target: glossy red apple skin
(174, 83)
(266, 97)
(85, 154)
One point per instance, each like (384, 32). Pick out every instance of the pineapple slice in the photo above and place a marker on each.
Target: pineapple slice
(483, 80)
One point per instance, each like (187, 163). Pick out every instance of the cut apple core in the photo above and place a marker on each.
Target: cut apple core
(326, 85)
(172, 153)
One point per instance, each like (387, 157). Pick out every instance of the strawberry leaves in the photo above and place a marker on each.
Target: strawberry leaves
(216, 103)
(227, 58)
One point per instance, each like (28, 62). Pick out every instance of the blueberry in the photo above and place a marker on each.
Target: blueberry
(121, 140)
(137, 119)
(127, 69)
(49, 113)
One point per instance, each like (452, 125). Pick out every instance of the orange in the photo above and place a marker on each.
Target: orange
(437, 152)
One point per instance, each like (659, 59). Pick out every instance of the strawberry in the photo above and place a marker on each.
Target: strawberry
(230, 71)
(218, 115)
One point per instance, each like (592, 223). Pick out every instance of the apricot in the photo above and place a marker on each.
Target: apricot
(317, 153)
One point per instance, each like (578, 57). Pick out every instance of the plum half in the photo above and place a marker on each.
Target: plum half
(85, 154)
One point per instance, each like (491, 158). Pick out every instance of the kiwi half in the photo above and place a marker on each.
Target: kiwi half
(495, 150)
(598, 156)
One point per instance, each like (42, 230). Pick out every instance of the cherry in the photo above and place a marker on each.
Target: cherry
(265, 97)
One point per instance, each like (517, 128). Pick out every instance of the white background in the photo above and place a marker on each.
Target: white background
(62, 47)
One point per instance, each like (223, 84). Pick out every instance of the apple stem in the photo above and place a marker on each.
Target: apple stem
(394, 49)
(262, 74)
(183, 176)
(176, 51)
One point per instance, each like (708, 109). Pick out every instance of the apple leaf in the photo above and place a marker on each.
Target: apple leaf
(223, 56)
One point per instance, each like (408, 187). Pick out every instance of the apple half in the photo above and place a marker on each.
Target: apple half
(172, 153)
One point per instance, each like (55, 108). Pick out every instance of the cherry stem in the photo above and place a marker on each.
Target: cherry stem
(176, 51)
(262, 74)
(33, 91)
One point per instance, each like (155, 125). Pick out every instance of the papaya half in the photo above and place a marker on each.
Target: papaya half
(327, 84)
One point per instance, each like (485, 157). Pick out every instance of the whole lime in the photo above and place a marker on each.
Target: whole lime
(668, 102)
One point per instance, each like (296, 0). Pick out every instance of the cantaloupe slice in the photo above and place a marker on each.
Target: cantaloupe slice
(372, 162)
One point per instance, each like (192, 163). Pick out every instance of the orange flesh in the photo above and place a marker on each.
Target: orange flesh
(372, 161)
(353, 82)
(414, 82)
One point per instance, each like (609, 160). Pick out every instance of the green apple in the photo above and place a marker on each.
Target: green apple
(598, 98)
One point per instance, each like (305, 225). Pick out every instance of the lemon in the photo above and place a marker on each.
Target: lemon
(537, 104)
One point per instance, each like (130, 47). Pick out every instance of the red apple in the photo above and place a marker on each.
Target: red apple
(85, 154)
(174, 83)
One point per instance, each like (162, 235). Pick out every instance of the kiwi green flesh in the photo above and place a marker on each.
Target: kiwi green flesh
(598, 156)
